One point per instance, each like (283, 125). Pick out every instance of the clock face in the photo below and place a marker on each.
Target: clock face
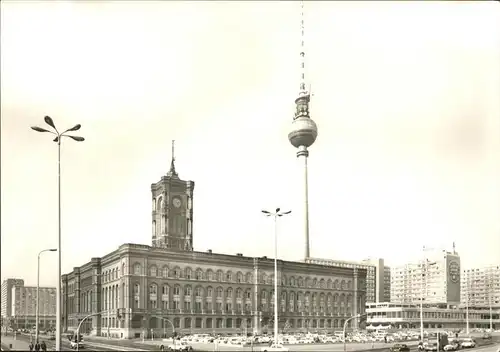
(177, 202)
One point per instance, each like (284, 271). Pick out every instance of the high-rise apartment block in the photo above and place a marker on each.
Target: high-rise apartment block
(7, 295)
(433, 280)
(481, 287)
(24, 301)
(378, 276)
(19, 305)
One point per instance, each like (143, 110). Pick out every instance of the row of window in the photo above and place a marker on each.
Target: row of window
(229, 292)
(228, 323)
(228, 276)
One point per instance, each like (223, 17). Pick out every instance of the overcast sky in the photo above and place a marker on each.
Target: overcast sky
(406, 98)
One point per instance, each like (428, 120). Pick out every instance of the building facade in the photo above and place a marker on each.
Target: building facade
(382, 279)
(407, 316)
(7, 295)
(378, 276)
(434, 280)
(23, 306)
(143, 289)
(480, 287)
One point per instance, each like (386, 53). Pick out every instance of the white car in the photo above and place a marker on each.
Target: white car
(75, 344)
(180, 346)
(468, 343)
(274, 347)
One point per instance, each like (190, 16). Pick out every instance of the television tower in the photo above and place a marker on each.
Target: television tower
(304, 130)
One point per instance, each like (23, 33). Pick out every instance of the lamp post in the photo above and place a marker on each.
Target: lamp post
(278, 213)
(38, 291)
(58, 139)
(490, 289)
(345, 326)
(467, 305)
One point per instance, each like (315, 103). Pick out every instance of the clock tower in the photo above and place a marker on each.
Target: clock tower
(172, 213)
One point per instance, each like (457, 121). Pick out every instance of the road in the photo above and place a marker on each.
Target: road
(103, 344)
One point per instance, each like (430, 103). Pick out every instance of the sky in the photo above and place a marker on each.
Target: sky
(405, 96)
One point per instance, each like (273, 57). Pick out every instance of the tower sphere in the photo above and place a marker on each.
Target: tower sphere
(304, 132)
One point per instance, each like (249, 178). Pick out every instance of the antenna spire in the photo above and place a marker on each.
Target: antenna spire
(302, 51)
(172, 171)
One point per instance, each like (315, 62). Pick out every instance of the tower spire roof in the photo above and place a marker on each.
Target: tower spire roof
(172, 172)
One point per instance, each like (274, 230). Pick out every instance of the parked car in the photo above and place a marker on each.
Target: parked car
(180, 346)
(432, 346)
(399, 347)
(75, 344)
(452, 346)
(468, 343)
(273, 348)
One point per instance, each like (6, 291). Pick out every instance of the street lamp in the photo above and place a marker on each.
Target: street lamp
(38, 291)
(490, 289)
(423, 283)
(278, 213)
(467, 305)
(58, 139)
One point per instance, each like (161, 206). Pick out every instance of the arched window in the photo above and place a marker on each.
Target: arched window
(229, 276)
(219, 275)
(199, 274)
(177, 272)
(153, 289)
(159, 203)
(239, 277)
(198, 292)
(137, 269)
(154, 204)
(164, 271)
(188, 291)
(152, 270)
(219, 292)
(189, 273)
(154, 228)
(210, 275)
(249, 279)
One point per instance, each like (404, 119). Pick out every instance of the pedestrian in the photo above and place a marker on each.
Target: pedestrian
(37, 346)
(31, 346)
(43, 346)
(385, 339)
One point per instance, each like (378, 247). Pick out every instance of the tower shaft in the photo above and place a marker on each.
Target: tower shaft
(302, 156)
(303, 132)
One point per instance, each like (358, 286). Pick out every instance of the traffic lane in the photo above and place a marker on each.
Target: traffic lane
(351, 347)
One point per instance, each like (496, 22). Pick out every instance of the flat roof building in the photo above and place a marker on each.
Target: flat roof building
(378, 276)
(435, 279)
(407, 316)
(480, 287)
